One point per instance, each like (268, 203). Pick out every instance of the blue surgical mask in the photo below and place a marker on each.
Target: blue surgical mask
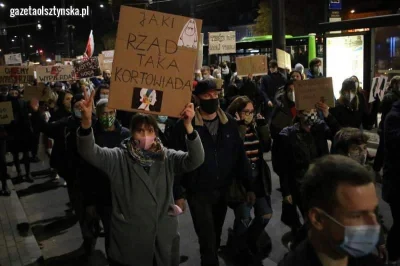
(358, 240)
(162, 118)
(77, 113)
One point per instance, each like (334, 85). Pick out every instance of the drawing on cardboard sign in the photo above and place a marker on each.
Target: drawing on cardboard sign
(147, 99)
(188, 37)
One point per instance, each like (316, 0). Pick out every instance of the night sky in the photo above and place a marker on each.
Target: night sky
(220, 13)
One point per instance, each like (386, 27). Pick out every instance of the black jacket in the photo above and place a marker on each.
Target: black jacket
(281, 115)
(386, 105)
(305, 255)
(346, 115)
(297, 149)
(224, 160)
(391, 167)
(271, 83)
(97, 185)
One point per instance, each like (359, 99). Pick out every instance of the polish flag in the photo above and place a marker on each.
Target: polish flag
(90, 45)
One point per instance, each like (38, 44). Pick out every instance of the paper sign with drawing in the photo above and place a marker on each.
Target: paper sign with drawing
(154, 59)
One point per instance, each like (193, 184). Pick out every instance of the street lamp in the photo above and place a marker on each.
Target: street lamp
(39, 26)
(2, 5)
(352, 11)
(12, 40)
(31, 46)
(48, 60)
(28, 35)
(101, 6)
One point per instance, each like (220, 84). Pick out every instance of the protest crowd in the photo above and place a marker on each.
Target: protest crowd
(131, 178)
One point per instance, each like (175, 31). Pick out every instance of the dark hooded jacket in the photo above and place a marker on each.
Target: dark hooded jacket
(391, 167)
(348, 114)
(299, 148)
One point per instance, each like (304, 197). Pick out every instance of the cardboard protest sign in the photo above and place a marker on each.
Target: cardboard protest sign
(199, 59)
(222, 42)
(309, 92)
(13, 59)
(284, 59)
(34, 92)
(87, 68)
(106, 60)
(54, 73)
(256, 65)
(17, 74)
(154, 61)
(6, 113)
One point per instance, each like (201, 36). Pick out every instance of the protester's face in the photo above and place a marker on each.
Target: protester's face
(247, 111)
(358, 153)
(107, 74)
(67, 101)
(295, 76)
(143, 131)
(205, 72)
(273, 69)
(104, 91)
(355, 206)
(108, 112)
(14, 93)
(308, 118)
(213, 94)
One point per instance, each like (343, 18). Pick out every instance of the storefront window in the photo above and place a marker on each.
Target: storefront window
(387, 51)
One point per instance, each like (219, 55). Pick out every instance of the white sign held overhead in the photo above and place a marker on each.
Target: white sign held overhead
(13, 59)
(222, 42)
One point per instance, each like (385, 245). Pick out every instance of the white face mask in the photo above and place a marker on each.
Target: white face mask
(352, 95)
(291, 96)
(103, 96)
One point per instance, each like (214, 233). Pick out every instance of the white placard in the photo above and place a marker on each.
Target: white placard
(222, 42)
(13, 59)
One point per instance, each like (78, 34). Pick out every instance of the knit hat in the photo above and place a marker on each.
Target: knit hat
(299, 67)
(204, 86)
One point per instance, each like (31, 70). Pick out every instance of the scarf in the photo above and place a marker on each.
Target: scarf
(143, 157)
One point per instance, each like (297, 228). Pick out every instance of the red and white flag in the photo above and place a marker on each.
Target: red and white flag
(90, 45)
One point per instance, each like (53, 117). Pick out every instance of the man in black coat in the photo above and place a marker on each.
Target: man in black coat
(225, 160)
(391, 177)
(339, 199)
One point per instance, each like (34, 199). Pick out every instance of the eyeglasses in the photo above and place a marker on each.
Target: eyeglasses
(248, 112)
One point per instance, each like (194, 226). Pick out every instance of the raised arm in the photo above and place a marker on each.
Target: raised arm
(103, 158)
(183, 162)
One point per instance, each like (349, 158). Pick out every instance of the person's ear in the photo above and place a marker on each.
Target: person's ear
(315, 219)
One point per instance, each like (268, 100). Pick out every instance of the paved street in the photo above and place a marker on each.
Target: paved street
(45, 205)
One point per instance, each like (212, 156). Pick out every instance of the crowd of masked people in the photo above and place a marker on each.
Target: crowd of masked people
(127, 177)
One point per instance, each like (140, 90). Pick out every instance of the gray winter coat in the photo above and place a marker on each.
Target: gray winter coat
(141, 229)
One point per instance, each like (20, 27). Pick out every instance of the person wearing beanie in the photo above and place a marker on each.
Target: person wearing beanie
(299, 68)
(225, 164)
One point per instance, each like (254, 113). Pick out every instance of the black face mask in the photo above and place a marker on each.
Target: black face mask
(209, 106)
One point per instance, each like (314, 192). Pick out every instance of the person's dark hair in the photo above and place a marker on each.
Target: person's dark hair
(394, 82)
(345, 138)
(348, 85)
(238, 105)
(99, 88)
(318, 188)
(314, 62)
(273, 63)
(61, 97)
(287, 84)
(140, 119)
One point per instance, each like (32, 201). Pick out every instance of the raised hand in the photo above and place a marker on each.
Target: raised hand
(86, 108)
(187, 116)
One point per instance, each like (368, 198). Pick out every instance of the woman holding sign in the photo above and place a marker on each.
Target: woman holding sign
(144, 223)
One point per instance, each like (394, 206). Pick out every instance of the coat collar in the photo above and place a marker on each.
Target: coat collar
(198, 119)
